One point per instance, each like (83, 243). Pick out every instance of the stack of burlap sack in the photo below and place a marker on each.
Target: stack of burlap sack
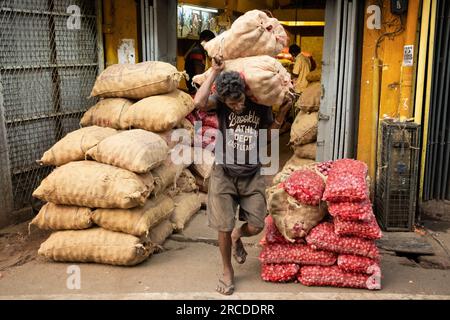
(120, 188)
(305, 127)
(321, 228)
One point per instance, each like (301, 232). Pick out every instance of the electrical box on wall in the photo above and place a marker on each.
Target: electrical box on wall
(399, 6)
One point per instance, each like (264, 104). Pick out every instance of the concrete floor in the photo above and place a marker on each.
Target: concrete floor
(188, 269)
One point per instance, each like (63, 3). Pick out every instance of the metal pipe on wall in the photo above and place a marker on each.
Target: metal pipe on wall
(426, 111)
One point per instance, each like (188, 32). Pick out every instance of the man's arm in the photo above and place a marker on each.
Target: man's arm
(203, 101)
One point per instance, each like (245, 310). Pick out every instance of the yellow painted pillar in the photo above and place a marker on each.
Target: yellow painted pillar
(120, 22)
(407, 72)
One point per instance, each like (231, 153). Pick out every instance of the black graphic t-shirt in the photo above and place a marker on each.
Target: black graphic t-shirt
(240, 132)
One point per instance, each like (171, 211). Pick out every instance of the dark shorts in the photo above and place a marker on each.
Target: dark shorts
(225, 193)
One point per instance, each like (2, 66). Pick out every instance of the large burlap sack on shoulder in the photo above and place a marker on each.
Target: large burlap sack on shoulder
(94, 185)
(58, 217)
(310, 98)
(252, 34)
(203, 162)
(304, 128)
(136, 81)
(159, 113)
(107, 113)
(95, 245)
(293, 164)
(137, 221)
(186, 205)
(160, 233)
(267, 80)
(74, 145)
(136, 150)
(306, 151)
(293, 219)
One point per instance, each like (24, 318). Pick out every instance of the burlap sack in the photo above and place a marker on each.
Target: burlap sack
(176, 136)
(304, 128)
(94, 185)
(107, 113)
(74, 145)
(136, 221)
(136, 150)
(306, 151)
(95, 245)
(310, 98)
(203, 162)
(186, 205)
(267, 80)
(252, 34)
(186, 182)
(58, 217)
(314, 76)
(159, 113)
(293, 219)
(161, 232)
(202, 183)
(137, 81)
(293, 164)
(166, 175)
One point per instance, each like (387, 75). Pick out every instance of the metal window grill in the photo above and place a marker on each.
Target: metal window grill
(397, 175)
(47, 69)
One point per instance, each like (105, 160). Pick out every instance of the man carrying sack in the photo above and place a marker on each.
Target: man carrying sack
(236, 178)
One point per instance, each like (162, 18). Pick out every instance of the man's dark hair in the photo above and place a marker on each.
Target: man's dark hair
(229, 84)
(294, 50)
(207, 35)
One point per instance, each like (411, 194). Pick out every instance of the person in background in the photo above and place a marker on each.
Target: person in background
(195, 59)
(303, 65)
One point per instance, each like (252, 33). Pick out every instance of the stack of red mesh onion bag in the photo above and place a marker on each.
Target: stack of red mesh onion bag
(207, 132)
(340, 251)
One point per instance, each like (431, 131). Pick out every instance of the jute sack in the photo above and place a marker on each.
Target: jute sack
(252, 34)
(74, 145)
(304, 128)
(203, 162)
(176, 136)
(94, 185)
(310, 98)
(57, 217)
(95, 245)
(136, 150)
(166, 175)
(107, 113)
(306, 151)
(136, 81)
(314, 76)
(137, 221)
(186, 182)
(159, 113)
(186, 205)
(293, 219)
(267, 80)
(293, 164)
(161, 232)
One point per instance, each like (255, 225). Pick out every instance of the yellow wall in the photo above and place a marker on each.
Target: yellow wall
(120, 22)
(313, 45)
(390, 53)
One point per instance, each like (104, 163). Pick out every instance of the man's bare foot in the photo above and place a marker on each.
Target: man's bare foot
(239, 253)
(226, 285)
